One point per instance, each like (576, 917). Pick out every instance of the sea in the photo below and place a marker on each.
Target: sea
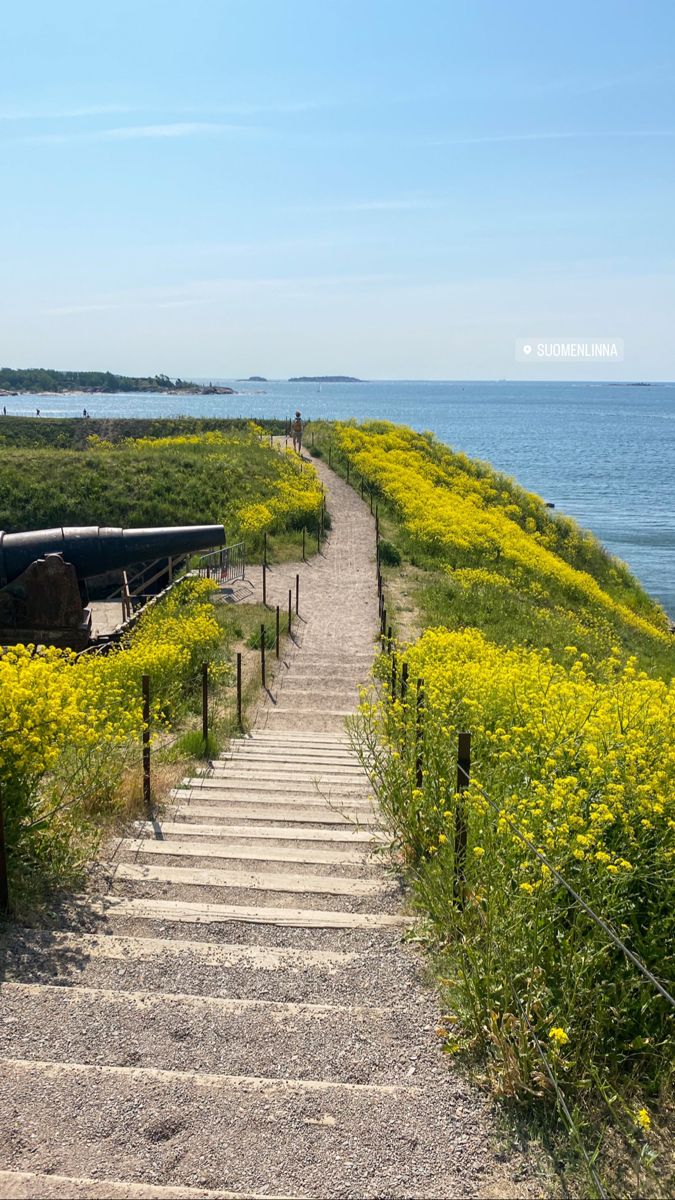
(602, 452)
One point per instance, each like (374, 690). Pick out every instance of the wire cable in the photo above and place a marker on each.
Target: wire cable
(600, 921)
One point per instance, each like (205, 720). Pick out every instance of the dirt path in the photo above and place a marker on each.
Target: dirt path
(236, 1013)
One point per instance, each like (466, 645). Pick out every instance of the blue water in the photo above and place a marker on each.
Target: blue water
(605, 454)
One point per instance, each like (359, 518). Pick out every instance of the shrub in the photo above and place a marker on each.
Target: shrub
(390, 554)
(69, 728)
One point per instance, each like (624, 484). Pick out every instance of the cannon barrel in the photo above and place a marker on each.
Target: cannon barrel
(95, 549)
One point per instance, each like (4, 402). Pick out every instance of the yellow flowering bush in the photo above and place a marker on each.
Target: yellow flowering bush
(573, 762)
(69, 725)
(468, 516)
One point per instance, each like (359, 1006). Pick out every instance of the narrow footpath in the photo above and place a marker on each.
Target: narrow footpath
(237, 1013)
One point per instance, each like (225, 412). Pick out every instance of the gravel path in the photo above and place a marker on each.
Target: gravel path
(235, 1013)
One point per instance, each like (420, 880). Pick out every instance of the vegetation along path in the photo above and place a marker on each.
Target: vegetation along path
(235, 1012)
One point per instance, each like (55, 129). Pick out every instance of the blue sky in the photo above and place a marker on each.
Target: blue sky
(381, 189)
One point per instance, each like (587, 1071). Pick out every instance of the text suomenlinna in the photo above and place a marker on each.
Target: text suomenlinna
(568, 349)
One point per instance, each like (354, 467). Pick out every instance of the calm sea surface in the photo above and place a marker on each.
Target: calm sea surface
(605, 454)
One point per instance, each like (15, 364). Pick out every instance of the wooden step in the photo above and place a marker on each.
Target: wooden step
(251, 833)
(267, 812)
(204, 912)
(31, 1185)
(266, 851)
(259, 881)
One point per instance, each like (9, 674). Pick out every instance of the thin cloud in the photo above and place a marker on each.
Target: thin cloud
(64, 114)
(395, 204)
(550, 136)
(209, 291)
(236, 109)
(123, 133)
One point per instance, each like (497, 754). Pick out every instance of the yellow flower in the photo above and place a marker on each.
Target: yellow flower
(478, 851)
(558, 1036)
(643, 1119)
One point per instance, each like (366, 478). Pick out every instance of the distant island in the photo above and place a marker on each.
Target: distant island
(324, 379)
(254, 379)
(38, 379)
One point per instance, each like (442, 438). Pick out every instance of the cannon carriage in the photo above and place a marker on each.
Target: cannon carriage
(43, 574)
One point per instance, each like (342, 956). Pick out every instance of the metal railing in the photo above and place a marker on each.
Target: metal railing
(224, 566)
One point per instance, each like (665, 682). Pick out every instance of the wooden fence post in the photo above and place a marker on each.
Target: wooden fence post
(419, 757)
(147, 790)
(463, 780)
(404, 680)
(205, 706)
(4, 875)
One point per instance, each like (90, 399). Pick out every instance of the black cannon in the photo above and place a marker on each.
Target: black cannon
(43, 574)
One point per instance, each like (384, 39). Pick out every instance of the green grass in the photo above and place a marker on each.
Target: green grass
(72, 433)
(137, 485)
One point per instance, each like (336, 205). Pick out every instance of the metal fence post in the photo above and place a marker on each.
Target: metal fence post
(419, 768)
(304, 535)
(277, 638)
(290, 610)
(262, 655)
(4, 877)
(205, 705)
(147, 791)
(404, 680)
(239, 713)
(393, 676)
(463, 780)
(297, 595)
(264, 583)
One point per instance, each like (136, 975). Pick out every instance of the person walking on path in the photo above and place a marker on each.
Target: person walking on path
(296, 429)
